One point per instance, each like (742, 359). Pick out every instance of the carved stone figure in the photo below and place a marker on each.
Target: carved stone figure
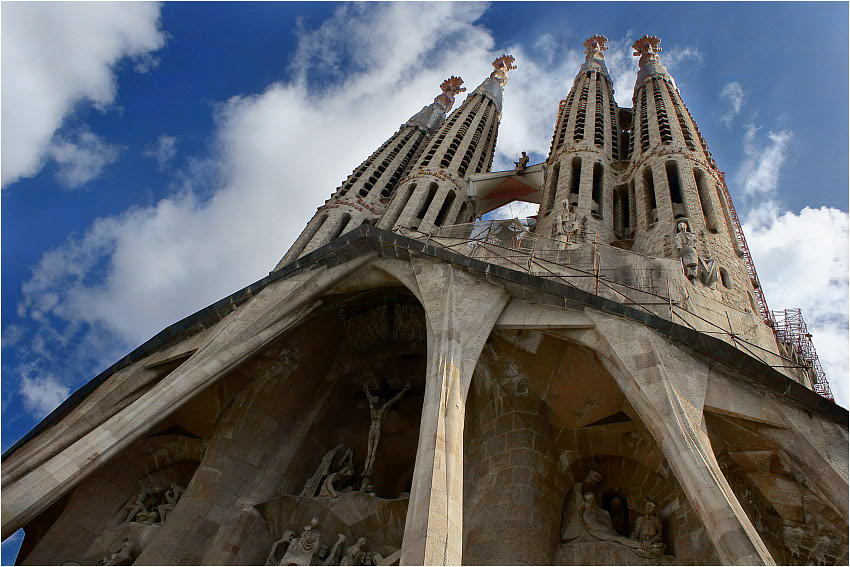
(172, 495)
(283, 544)
(330, 463)
(572, 525)
(566, 224)
(124, 555)
(686, 243)
(335, 556)
(377, 414)
(521, 164)
(598, 527)
(707, 271)
(301, 550)
(354, 554)
(333, 483)
(648, 531)
(137, 506)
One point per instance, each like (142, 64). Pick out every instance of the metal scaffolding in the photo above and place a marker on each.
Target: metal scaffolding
(790, 329)
(622, 275)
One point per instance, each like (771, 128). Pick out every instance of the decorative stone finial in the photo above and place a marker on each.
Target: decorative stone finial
(502, 66)
(452, 86)
(595, 46)
(648, 49)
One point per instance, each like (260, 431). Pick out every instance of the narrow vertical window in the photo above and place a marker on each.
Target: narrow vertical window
(575, 181)
(675, 187)
(596, 193)
(432, 190)
(649, 197)
(444, 210)
(705, 200)
(553, 188)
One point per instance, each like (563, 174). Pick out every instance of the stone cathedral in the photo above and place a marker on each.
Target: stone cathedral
(602, 383)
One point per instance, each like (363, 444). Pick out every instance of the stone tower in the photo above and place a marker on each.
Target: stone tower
(412, 384)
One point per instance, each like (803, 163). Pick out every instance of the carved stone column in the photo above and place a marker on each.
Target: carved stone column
(667, 386)
(460, 311)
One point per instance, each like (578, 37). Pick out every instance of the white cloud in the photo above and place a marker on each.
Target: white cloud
(802, 262)
(623, 67)
(676, 56)
(732, 93)
(41, 393)
(81, 158)
(759, 171)
(130, 275)
(56, 55)
(163, 151)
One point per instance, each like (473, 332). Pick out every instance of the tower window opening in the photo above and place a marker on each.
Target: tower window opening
(575, 181)
(596, 192)
(672, 169)
(426, 203)
(553, 189)
(344, 221)
(651, 208)
(612, 111)
(705, 201)
(725, 279)
(486, 149)
(621, 211)
(444, 210)
(398, 207)
(599, 120)
(644, 121)
(632, 216)
(578, 133)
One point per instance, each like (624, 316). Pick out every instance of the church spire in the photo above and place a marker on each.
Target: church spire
(433, 194)
(362, 198)
(578, 175)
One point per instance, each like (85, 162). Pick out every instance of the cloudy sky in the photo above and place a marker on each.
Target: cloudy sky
(158, 157)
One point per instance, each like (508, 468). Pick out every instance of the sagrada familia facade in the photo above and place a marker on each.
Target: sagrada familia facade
(602, 383)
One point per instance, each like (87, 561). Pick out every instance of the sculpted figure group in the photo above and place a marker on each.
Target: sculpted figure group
(585, 521)
(335, 473)
(308, 550)
(151, 507)
(694, 265)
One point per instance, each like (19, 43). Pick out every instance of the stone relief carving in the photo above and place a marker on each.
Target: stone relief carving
(335, 463)
(151, 506)
(377, 416)
(585, 521)
(309, 550)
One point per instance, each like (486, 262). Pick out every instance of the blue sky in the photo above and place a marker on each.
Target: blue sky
(157, 157)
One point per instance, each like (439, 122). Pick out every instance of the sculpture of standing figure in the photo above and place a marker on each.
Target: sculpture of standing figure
(377, 414)
(686, 242)
(301, 550)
